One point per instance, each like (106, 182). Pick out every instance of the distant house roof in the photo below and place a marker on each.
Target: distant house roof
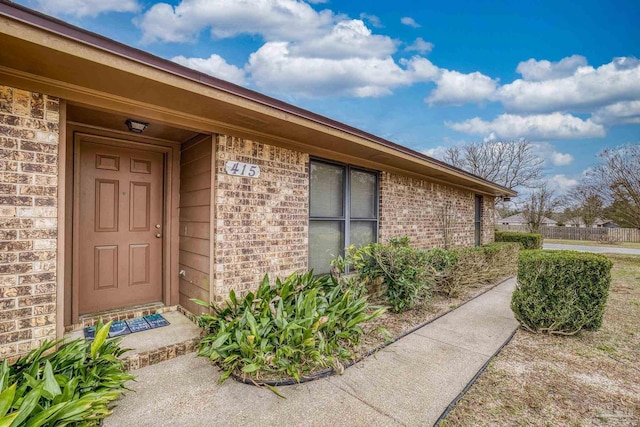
(518, 219)
(599, 222)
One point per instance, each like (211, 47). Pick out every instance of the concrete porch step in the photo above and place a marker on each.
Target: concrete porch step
(157, 345)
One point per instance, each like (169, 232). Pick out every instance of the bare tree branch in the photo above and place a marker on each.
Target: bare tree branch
(586, 204)
(616, 179)
(511, 164)
(540, 204)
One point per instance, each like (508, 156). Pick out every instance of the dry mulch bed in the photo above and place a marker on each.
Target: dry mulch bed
(591, 379)
(398, 324)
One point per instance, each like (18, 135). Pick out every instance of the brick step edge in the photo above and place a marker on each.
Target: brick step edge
(162, 354)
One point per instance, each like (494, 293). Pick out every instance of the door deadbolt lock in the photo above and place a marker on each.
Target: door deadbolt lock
(157, 225)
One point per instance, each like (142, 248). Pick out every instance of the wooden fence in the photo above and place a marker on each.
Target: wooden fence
(613, 235)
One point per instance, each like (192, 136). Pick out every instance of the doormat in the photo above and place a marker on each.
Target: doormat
(129, 326)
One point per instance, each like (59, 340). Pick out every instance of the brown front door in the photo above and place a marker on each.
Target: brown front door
(119, 246)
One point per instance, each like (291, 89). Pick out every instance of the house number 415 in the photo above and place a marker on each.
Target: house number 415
(242, 169)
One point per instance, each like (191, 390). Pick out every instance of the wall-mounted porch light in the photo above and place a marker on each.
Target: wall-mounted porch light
(506, 198)
(136, 126)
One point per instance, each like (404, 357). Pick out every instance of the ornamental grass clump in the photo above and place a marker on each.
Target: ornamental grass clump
(561, 292)
(486, 264)
(73, 385)
(302, 324)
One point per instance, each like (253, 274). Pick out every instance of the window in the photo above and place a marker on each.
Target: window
(478, 220)
(343, 210)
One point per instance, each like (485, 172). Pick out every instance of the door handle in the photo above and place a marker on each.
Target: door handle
(158, 235)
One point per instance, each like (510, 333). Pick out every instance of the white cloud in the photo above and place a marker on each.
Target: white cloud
(455, 88)
(272, 19)
(348, 60)
(436, 152)
(587, 88)
(561, 159)
(550, 154)
(618, 113)
(373, 20)
(410, 22)
(561, 183)
(545, 70)
(347, 39)
(420, 45)
(421, 69)
(542, 126)
(215, 66)
(274, 67)
(80, 8)
(491, 137)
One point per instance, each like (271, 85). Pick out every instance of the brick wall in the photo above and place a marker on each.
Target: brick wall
(488, 219)
(29, 125)
(261, 225)
(422, 210)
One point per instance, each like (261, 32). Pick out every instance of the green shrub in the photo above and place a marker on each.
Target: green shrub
(458, 269)
(409, 275)
(561, 291)
(527, 240)
(70, 386)
(402, 270)
(300, 325)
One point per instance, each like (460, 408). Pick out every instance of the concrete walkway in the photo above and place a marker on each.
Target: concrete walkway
(411, 382)
(596, 249)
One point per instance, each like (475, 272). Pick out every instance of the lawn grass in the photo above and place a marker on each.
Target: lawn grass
(592, 378)
(593, 243)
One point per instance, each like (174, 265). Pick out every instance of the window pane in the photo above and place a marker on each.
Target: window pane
(363, 194)
(326, 190)
(362, 233)
(326, 241)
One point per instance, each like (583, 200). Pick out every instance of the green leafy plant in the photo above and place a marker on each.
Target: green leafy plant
(561, 292)
(72, 385)
(302, 324)
(403, 270)
(527, 240)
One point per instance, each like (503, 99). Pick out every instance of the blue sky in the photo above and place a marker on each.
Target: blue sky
(428, 75)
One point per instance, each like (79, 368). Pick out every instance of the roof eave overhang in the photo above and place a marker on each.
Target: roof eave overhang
(43, 54)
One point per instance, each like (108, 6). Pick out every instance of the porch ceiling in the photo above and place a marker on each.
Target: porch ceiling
(115, 121)
(42, 54)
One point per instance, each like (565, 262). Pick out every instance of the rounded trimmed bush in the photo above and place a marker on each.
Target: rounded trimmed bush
(561, 291)
(527, 240)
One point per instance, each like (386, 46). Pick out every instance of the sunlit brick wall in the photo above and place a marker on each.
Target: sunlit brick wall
(429, 213)
(261, 224)
(29, 125)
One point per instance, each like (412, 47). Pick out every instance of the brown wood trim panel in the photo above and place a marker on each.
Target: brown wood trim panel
(62, 247)
(195, 222)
